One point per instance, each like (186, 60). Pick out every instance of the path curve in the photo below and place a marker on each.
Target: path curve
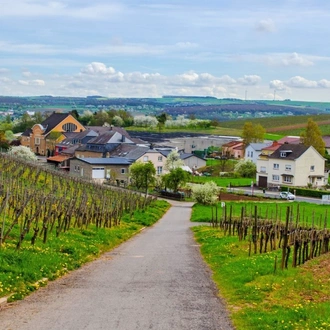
(156, 280)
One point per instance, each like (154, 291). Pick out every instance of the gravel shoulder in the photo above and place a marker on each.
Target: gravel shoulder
(156, 280)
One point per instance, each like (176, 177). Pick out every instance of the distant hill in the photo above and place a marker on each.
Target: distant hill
(196, 106)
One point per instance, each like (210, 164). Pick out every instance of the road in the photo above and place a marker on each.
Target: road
(273, 194)
(157, 280)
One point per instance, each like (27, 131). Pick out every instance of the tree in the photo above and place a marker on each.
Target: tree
(175, 178)
(205, 194)
(252, 133)
(117, 121)
(173, 160)
(23, 153)
(312, 136)
(246, 168)
(142, 174)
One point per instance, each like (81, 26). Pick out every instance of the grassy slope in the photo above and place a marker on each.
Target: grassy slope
(258, 299)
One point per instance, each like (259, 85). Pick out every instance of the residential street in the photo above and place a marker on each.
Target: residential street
(157, 280)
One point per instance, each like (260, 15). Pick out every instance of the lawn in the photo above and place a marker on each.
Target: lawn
(223, 182)
(302, 212)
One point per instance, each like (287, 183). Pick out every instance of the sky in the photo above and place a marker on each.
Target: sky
(253, 50)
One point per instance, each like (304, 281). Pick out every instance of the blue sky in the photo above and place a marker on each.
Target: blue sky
(254, 49)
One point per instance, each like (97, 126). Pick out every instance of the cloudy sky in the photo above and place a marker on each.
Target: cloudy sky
(254, 49)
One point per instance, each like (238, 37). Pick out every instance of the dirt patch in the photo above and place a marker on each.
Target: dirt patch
(236, 197)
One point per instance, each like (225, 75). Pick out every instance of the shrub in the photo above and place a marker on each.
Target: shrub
(205, 194)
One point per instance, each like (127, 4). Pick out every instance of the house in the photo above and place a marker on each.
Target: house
(326, 140)
(73, 138)
(233, 149)
(113, 169)
(191, 160)
(291, 165)
(102, 145)
(290, 139)
(143, 154)
(42, 138)
(266, 151)
(253, 150)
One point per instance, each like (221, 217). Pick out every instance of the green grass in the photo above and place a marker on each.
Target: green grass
(21, 270)
(258, 299)
(268, 208)
(223, 182)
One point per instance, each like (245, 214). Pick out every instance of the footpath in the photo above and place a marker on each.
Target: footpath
(156, 280)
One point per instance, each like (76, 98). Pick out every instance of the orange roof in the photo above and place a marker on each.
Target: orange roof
(58, 158)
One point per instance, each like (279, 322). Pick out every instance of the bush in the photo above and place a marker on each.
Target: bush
(206, 194)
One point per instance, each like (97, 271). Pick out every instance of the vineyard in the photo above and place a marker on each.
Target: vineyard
(51, 223)
(301, 234)
(270, 262)
(45, 202)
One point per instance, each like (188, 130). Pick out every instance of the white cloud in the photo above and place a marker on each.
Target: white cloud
(35, 82)
(265, 25)
(96, 68)
(295, 59)
(3, 70)
(278, 85)
(299, 82)
(249, 80)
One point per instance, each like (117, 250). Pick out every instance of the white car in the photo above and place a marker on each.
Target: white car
(287, 195)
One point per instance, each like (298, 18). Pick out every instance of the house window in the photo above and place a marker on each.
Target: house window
(160, 158)
(276, 178)
(312, 168)
(283, 154)
(287, 179)
(123, 171)
(276, 166)
(263, 169)
(288, 167)
(248, 154)
(159, 170)
(145, 158)
(319, 178)
(36, 140)
(69, 127)
(251, 154)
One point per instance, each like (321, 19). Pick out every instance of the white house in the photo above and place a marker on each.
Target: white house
(253, 150)
(292, 165)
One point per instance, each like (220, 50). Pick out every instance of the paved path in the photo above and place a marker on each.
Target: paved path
(157, 280)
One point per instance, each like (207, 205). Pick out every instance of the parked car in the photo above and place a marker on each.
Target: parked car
(287, 195)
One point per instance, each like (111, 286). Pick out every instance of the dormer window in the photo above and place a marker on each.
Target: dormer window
(283, 154)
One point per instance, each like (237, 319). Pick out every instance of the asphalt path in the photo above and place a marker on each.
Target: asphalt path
(156, 280)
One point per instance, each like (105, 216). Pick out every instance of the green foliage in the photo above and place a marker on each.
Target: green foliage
(252, 133)
(173, 160)
(205, 194)
(142, 174)
(312, 137)
(175, 178)
(246, 168)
